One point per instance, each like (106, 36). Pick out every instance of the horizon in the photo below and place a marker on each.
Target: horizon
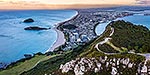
(67, 4)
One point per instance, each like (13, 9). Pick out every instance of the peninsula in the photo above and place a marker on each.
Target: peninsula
(116, 51)
(81, 28)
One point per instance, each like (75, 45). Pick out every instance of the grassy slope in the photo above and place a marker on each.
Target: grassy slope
(51, 65)
(131, 37)
(24, 66)
(127, 37)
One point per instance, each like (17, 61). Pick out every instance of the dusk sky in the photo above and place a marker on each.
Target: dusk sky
(27, 4)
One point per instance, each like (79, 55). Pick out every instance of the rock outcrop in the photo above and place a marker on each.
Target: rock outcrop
(35, 28)
(28, 20)
(27, 55)
(114, 66)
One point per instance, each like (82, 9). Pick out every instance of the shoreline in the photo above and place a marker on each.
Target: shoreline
(60, 40)
(60, 35)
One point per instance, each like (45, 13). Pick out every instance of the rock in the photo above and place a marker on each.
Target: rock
(114, 60)
(118, 61)
(28, 20)
(149, 73)
(96, 70)
(35, 28)
(130, 65)
(124, 66)
(82, 68)
(107, 63)
(27, 55)
(99, 65)
(61, 66)
(113, 64)
(106, 58)
(3, 65)
(77, 70)
(126, 61)
(114, 71)
(144, 69)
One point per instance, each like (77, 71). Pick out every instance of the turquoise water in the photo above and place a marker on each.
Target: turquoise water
(138, 19)
(101, 28)
(15, 41)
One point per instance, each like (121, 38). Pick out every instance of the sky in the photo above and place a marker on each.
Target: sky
(40, 4)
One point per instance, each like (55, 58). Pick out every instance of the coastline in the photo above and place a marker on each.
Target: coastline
(60, 40)
(60, 35)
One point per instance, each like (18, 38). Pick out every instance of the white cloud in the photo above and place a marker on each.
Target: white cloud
(144, 2)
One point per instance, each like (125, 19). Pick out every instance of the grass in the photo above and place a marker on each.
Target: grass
(25, 66)
(53, 64)
(113, 46)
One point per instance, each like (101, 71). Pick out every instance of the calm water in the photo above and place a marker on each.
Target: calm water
(15, 41)
(138, 19)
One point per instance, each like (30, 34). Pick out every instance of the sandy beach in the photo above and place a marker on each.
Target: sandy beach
(60, 40)
(60, 35)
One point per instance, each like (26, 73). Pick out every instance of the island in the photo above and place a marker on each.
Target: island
(35, 28)
(29, 20)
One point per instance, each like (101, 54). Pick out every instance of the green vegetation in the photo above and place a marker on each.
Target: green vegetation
(52, 65)
(23, 66)
(127, 37)
(107, 48)
(132, 37)
(114, 47)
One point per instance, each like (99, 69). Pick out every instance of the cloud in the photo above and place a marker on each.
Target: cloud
(147, 2)
(18, 2)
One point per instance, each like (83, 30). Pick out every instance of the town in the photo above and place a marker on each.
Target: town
(81, 29)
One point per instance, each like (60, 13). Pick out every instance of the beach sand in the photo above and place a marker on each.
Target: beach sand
(60, 40)
(60, 35)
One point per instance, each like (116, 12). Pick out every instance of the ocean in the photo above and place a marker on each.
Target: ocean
(15, 41)
(138, 19)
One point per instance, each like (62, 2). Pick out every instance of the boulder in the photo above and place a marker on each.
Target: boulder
(28, 20)
(27, 55)
(35, 28)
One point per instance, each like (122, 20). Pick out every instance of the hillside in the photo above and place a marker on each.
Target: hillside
(132, 37)
(111, 56)
(127, 38)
